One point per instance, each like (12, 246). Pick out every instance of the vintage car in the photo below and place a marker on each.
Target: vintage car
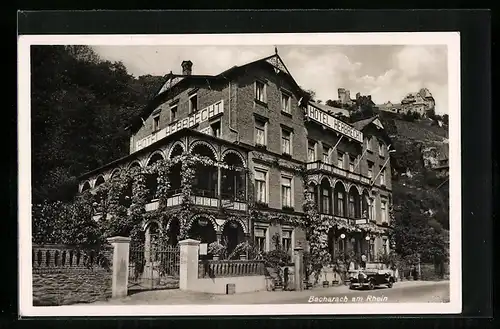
(371, 278)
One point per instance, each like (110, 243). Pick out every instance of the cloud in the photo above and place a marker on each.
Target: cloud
(387, 73)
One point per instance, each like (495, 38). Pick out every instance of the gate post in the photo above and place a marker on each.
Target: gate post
(188, 271)
(298, 266)
(121, 247)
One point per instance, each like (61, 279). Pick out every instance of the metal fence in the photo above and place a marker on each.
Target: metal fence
(153, 266)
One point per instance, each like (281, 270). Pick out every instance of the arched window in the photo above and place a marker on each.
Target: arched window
(99, 181)
(340, 200)
(354, 204)
(174, 176)
(326, 197)
(205, 183)
(152, 179)
(233, 179)
(85, 187)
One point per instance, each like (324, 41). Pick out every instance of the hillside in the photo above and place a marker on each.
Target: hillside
(421, 197)
(80, 106)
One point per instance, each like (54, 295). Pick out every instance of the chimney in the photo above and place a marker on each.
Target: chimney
(187, 67)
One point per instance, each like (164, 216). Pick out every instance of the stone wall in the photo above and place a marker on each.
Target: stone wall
(64, 275)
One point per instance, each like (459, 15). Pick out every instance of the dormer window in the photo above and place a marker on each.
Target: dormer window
(173, 113)
(156, 122)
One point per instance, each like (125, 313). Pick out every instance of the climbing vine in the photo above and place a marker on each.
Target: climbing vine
(317, 235)
(121, 201)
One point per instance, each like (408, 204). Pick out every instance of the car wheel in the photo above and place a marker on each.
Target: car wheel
(351, 286)
(389, 285)
(371, 285)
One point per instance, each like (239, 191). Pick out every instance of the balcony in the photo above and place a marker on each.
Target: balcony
(202, 198)
(345, 220)
(320, 165)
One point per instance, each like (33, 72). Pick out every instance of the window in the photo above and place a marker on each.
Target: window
(372, 250)
(215, 129)
(260, 132)
(352, 207)
(173, 113)
(326, 201)
(368, 144)
(351, 164)
(260, 88)
(340, 203)
(260, 239)
(311, 151)
(382, 176)
(286, 240)
(260, 186)
(340, 160)
(286, 141)
(383, 211)
(156, 123)
(285, 103)
(381, 149)
(193, 104)
(370, 169)
(371, 213)
(286, 192)
(326, 154)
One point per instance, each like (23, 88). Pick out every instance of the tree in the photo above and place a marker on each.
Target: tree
(408, 116)
(333, 103)
(431, 114)
(413, 234)
(80, 106)
(311, 93)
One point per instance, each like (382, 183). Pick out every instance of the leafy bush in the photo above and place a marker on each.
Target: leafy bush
(244, 248)
(216, 249)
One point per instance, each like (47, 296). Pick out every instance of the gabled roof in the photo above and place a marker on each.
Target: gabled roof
(179, 79)
(375, 120)
(361, 124)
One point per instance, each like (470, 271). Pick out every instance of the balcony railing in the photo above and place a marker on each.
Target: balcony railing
(346, 220)
(201, 198)
(320, 165)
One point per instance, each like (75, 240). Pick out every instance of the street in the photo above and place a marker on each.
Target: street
(434, 293)
(408, 291)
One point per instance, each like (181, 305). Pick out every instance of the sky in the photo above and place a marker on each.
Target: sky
(385, 72)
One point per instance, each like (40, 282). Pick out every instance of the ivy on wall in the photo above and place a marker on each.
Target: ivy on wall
(121, 203)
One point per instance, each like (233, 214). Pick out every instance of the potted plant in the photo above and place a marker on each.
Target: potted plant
(241, 251)
(216, 250)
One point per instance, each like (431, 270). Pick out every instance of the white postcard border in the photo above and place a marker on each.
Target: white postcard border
(451, 39)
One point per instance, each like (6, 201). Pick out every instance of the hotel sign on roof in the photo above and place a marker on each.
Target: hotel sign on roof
(333, 123)
(189, 122)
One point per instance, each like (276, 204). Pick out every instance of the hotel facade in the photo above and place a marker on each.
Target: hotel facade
(256, 118)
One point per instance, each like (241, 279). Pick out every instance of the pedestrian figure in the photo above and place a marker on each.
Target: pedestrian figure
(363, 262)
